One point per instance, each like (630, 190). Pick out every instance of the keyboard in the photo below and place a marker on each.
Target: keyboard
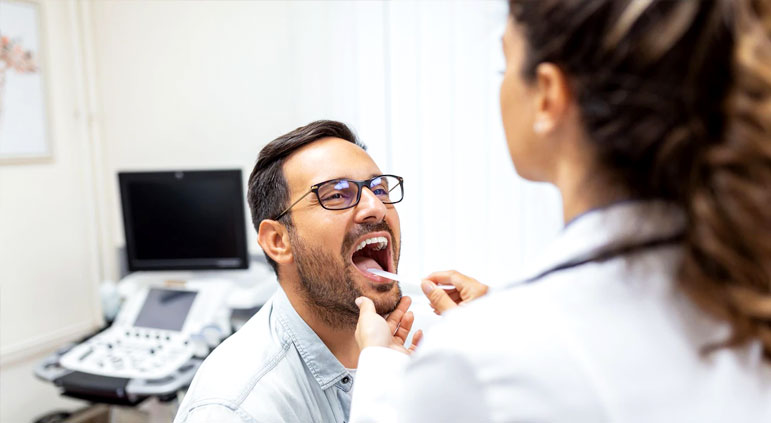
(130, 352)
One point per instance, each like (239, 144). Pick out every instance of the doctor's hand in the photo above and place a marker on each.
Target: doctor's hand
(466, 289)
(372, 330)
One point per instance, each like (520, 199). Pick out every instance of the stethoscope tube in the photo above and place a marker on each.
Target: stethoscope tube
(604, 255)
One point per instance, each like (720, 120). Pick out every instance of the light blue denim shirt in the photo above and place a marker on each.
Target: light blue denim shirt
(274, 369)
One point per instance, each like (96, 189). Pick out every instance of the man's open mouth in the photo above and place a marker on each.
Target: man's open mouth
(373, 252)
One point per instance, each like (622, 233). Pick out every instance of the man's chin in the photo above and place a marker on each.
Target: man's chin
(385, 302)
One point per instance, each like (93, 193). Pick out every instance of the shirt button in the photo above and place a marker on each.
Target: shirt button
(346, 379)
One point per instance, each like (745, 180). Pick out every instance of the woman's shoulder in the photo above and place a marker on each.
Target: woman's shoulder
(553, 318)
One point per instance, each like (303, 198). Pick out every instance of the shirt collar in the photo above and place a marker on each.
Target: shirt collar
(323, 365)
(623, 223)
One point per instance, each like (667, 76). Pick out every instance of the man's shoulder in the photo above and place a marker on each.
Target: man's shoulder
(242, 364)
(241, 360)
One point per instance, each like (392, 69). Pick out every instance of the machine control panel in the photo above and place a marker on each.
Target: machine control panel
(151, 336)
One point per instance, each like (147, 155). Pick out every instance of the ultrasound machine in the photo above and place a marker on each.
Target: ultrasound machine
(186, 248)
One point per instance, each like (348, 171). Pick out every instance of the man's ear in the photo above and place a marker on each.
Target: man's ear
(274, 240)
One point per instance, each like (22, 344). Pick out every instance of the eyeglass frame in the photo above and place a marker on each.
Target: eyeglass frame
(360, 184)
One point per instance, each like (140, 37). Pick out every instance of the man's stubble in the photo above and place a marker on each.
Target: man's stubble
(328, 282)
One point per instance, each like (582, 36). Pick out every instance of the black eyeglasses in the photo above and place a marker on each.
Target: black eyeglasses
(341, 194)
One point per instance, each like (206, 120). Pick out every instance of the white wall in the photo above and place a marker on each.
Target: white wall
(48, 250)
(49, 260)
(207, 84)
(203, 84)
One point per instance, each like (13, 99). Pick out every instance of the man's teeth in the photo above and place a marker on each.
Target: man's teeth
(381, 242)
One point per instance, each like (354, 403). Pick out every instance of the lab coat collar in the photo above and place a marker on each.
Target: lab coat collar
(323, 365)
(624, 223)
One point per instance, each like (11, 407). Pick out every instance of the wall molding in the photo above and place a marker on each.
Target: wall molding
(83, 36)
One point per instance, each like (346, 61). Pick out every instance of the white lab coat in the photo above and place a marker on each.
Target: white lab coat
(614, 341)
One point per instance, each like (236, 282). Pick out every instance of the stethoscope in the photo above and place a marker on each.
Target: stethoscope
(603, 255)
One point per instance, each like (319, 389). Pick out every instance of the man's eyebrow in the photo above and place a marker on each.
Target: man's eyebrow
(371, 175)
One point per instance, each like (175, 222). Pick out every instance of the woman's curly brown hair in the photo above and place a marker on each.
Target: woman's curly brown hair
(675, 97)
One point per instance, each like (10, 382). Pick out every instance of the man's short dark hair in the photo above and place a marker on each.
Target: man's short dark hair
(268, 193)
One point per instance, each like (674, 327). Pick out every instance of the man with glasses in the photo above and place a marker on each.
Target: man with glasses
(325, 214)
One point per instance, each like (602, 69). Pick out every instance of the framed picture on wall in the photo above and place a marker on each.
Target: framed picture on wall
(24, 114)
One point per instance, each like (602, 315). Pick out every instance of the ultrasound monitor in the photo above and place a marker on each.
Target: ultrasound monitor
(184, 220)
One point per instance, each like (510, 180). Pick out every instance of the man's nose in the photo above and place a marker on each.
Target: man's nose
(370, 208)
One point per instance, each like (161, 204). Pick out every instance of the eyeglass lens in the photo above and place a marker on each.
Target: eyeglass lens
(342, 193)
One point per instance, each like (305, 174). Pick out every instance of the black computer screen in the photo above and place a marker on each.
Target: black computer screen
(165, 309)
(183, 220)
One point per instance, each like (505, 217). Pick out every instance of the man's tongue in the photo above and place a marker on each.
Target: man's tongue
(365, 263)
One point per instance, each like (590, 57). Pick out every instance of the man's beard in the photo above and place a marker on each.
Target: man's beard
(328, 281)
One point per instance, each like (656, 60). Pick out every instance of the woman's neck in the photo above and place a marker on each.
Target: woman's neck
(584, 188)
